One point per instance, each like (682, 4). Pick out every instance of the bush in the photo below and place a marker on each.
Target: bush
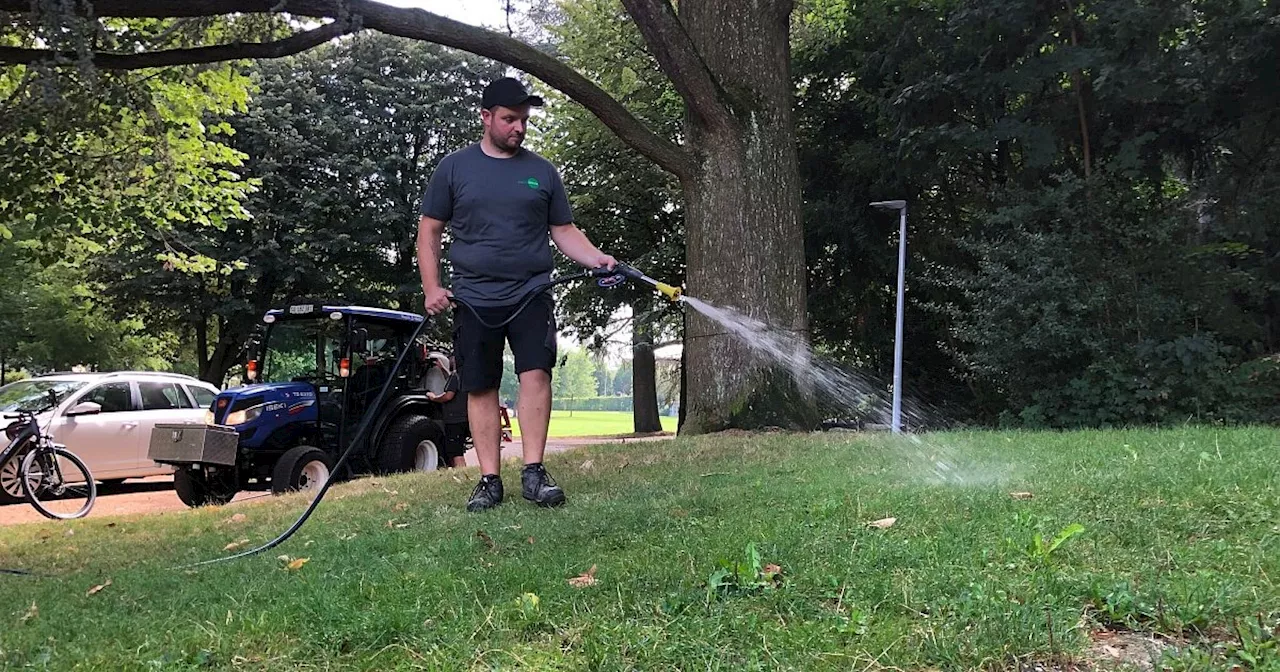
(592, 404)
(1188, 379)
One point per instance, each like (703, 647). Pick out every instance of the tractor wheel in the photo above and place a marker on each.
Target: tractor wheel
(196, 488)
(301, 468)
(414, 443)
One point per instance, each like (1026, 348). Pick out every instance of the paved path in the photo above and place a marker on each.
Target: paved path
(155, 495)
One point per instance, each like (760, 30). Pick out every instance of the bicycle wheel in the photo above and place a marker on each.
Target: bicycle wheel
(58, 484)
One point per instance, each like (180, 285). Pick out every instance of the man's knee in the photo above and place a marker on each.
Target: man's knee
(535, 377)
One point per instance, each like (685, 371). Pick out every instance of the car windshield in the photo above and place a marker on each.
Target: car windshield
(34, 395)
(301, 349)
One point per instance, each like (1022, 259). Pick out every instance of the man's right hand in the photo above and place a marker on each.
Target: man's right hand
(437, 300)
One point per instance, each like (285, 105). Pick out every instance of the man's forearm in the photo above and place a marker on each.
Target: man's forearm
(429, 254)
(571, 241)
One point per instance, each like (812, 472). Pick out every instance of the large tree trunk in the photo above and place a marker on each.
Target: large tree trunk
(742, 208)
(644, 377)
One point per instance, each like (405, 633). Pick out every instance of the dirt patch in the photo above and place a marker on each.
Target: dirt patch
(1113, 650)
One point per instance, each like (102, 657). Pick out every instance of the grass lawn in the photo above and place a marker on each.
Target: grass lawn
(727, 552)
(592, 423)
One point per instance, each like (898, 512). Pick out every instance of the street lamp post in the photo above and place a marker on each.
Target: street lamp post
(901, 207)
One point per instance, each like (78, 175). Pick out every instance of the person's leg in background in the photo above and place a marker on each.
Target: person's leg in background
(455, 439)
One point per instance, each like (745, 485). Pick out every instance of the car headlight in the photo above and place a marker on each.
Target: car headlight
(247, 415)
(208, 417)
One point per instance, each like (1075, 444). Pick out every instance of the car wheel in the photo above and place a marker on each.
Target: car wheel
(414, 443)
(301, 468)
(195, 488)
(10, 485)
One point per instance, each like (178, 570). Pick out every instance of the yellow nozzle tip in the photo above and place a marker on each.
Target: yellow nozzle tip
(672, 293)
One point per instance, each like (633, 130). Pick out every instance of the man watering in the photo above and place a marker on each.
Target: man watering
(504, 205)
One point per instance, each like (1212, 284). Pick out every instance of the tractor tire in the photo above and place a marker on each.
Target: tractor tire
(413, 443)
(195, 488)
(301, 468)
(10, 484)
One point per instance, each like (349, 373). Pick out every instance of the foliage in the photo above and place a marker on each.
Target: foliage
(626, 205)
(574, 378)
(90, 158)
(342, 140)
(610, 403)
(89, 154)
(1092, 234)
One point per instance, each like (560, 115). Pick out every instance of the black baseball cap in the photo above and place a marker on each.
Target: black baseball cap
(508, 92)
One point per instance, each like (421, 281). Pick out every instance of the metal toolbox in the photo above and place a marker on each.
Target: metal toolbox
(186, 443)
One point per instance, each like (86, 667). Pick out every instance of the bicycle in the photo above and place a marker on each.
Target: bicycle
(55, 480)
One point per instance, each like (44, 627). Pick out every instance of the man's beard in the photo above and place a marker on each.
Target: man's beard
(505, 143)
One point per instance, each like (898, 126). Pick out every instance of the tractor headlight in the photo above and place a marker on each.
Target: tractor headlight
(247, 415)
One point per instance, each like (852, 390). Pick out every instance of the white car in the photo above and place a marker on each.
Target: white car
(105, 418)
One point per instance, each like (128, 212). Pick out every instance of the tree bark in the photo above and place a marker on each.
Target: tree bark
(201, 326)
(644, 377)
(744, 235)
(158, 59)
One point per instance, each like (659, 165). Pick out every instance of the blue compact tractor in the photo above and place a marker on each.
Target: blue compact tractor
(313, 372)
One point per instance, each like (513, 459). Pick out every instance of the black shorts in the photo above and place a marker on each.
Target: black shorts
(532, 335)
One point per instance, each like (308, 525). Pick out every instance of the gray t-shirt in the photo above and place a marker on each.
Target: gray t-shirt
(500, 213)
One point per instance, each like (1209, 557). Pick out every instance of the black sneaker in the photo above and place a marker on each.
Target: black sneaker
(539, 487)
(488, 494)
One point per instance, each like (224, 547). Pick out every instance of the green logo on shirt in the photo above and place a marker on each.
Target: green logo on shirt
(532, 182)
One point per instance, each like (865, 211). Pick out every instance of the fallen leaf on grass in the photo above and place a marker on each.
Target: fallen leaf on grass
(586, 579)
(488, 541)
(1021, 495)
(772, 569)
(238, 518)
(531, 540)
(392, 524)
(71, 533)
(402, 506)
(883, 523)
(586, 466)
(296, 564)
(31, 613)
(98, 588)
(235, 545)
(1111, 651)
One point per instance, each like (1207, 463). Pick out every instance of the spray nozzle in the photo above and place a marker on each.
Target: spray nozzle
(622, 272)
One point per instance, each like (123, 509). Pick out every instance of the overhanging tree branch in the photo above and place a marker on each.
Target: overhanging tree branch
(422, 25)
(169, 57)
(679, 58)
